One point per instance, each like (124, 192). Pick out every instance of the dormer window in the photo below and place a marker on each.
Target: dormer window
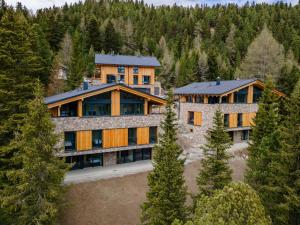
(121, 69)
(135, 70)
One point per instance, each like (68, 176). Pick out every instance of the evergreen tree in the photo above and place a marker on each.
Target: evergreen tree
(113, 41)
(264, 56)
(288, 78)
(77, 66)
(236, 204)
(264, 172)
(215, 172)
(167, 193)
(37, 190)
(94, 35)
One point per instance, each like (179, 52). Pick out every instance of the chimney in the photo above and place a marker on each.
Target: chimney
(218, 81)
(85, 85)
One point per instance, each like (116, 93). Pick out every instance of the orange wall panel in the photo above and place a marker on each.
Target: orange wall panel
(246, 120)
(142, 135)
(115, 138)
(115, 103)
(232, 120)
(197, 118)
(84, 140)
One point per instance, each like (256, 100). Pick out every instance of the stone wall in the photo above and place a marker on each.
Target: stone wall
(109, 158)
(196, 133)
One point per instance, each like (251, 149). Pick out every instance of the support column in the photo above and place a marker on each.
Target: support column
(115, 103)
(231, 98)
(250, 94)
(205, 99)
(58, 110)
(146, 107)
(79, 107)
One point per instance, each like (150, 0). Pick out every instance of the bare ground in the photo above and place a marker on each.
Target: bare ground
(117, 201)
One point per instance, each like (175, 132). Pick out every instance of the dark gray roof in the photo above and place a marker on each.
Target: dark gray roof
(76, 92)
(126, 60)
(211, 87)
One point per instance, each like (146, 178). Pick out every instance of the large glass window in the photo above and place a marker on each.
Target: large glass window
(128, 156)
(121, 69)
(69, 109)
(257, 93)
(146, 79)
(135, 80)
(142, 154)
(131, 104)
(191, 118)
(189, 99)
(241, 96)
(199, 99)
(98, 105)
(224, 99)
(93, 160)
(76, 161)
(131, 136)
(70, 141)
(213, 100)
(97, 138)
(153, 135)
(125, 156)
(226, 120)
(111, 78)
(245, 135)
(240, 120)
(135, 70)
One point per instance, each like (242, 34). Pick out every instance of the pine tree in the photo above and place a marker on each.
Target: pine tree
(264, 56)
(236, 204)
(167, 193)
(77, 66)
(291, 157)
(113, 41)
(264, 172)
(215, 172)
(94, 35)
(37, 191)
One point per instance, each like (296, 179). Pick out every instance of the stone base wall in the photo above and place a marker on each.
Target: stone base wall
(109, 158)
(197, 133)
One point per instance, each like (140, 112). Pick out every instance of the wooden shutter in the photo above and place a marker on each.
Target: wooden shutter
(197, 118)
(143, 135)
(251, 117)
(84, 140)
(232, 120)
(115, 138)
(246, 120)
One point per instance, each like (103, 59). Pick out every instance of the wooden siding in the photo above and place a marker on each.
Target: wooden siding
(84, 140)
(250, 94)
(205, 99)
(142, 135)
(182, 99)
(231, 98)
(197, 118)
(79, 108)
(246, 120)
(115, 138)
(115, 103)
(252, 115)
(54, 112)
(145, 107)
(233, 120)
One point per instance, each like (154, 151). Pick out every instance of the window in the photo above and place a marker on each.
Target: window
(142, 154)
(146, 79)
(224, 99)
(213, 100)
(189, 99)
(121, 69)
(76, 161)
(153, 135)
(256, 94)
(191, 118)
(125, 156)
(93, 160)
(111, 78)
(98, 105)
(199, 99)
(134, 155)
(226, 120)
(135, 80)
(135, 70)
(131, 136)
(121, 78)
(70, 141)
(245, 135)
(69, 109)
(131, 104)
(97, 138)
(240, 119)
(156, 90)
(241, 96)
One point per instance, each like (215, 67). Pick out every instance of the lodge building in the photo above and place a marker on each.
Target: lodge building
(110, 123)
(237, 99)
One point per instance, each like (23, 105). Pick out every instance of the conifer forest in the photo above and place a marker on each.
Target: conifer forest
(193, 44)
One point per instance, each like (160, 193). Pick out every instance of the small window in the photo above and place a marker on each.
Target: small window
(153, 135)
(70, 141)
(189, 99)
(135, 80)
(121, 78)
(240, 120)
(191, 118)
(146, 79)
(97, 138)
(131, 136)
(121, 69)
(245, 135)
(226, 120)
(111, 78)
(199, 99)
(135, 70)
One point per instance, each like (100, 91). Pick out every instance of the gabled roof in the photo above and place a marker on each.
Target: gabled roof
(80, 93)
(211, 88)
(126, 60)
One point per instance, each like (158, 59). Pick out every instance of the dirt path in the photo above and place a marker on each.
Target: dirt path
(117, 201)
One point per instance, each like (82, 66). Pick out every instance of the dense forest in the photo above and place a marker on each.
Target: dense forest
(192, 44)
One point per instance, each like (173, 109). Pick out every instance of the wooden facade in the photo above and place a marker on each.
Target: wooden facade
(84, 140)
(115, 103)
(233, 120)
(142, 135)
(197, 118)
(115, 138)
